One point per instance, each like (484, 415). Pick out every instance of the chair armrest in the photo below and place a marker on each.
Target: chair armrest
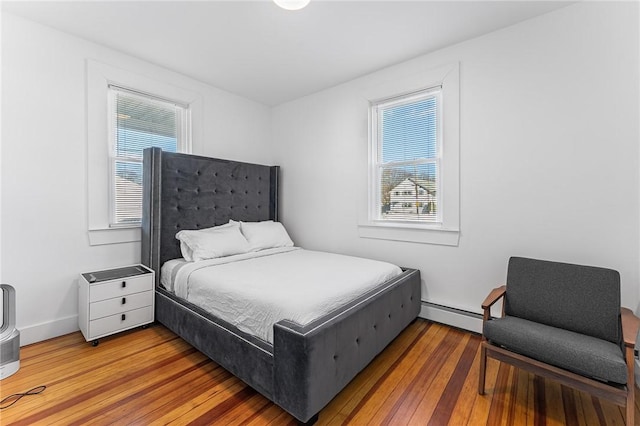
(630, 326)
(494, 296)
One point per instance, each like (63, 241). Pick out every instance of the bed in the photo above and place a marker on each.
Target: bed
(300, 367)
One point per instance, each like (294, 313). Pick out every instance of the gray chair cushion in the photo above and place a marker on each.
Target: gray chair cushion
(584, 355)
(579, 298)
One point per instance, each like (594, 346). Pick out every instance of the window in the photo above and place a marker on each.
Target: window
(151, 84)
(413, 188)
(138, 121)
(407, 141)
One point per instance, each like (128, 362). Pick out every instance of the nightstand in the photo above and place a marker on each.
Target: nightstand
(114, 300)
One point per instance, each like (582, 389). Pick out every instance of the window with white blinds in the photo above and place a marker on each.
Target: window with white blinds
(138, 121)
(407, 142)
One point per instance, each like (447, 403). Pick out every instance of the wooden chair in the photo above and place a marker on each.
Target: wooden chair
(564, 322)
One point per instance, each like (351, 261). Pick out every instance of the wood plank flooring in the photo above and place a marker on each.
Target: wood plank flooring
(427, 376)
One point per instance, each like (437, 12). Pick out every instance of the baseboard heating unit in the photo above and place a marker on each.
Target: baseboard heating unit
(455, 317)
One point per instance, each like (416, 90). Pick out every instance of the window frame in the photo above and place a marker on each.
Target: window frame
(99, 77)
(447, 231)
(378, 165)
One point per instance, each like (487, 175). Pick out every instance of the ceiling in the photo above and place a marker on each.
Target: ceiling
(270, 55)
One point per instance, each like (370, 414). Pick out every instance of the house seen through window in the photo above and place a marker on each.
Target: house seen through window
(407, 146)
(138, 121)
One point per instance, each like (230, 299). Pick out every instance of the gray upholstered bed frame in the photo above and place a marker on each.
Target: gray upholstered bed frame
(307, 365)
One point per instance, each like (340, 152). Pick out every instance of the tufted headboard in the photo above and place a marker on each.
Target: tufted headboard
(182, 191)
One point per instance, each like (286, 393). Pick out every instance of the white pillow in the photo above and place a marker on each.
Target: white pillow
(186, 251)
(264, 235)
(209, 243)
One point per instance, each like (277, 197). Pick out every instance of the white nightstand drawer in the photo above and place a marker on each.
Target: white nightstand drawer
(114, 323)
(121, 287)
(119, 305)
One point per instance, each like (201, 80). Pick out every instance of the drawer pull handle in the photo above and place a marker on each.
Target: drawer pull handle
(123, 317)
(124, 284)
(124, 300)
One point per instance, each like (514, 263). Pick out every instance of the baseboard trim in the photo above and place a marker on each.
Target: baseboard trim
(454, 317)
(48, 330)
(439, 313)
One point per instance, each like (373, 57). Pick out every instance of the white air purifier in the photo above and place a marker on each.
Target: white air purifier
(9, 335)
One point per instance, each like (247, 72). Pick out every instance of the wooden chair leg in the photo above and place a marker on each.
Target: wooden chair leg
(483, 368)
(631, 386)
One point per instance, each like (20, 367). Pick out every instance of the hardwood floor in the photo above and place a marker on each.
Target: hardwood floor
(427, 376)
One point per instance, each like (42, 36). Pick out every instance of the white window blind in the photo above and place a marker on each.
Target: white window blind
(408, 153)
(138, 121)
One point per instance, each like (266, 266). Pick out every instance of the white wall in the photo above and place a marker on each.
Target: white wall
(1, 300)
(44, 169)
(549, 155)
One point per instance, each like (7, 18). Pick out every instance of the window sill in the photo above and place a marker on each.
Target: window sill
(104, 236)
(424, 234)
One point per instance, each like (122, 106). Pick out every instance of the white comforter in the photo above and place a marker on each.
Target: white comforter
(253, 291)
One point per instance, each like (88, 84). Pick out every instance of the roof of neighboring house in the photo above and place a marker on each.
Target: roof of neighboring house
(428, 185)
(129, 207)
